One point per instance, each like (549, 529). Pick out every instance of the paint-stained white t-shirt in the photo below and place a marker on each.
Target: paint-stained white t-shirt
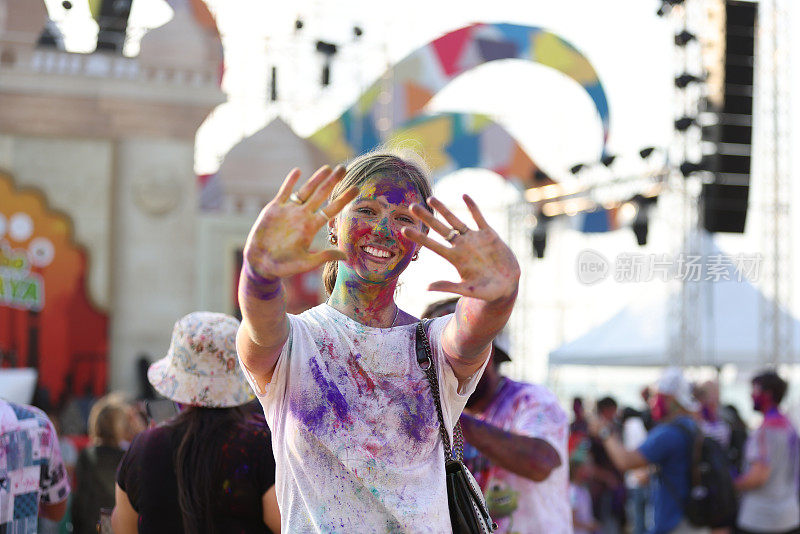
(354, 427)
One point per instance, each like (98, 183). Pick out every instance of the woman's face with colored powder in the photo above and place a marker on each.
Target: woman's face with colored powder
(368, 229)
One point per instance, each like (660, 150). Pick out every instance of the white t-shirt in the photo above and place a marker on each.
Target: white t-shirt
(354, 428)
(634, 434)
(517, 504)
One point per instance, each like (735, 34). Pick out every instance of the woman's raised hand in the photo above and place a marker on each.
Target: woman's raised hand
(279, 241)
(489, 270)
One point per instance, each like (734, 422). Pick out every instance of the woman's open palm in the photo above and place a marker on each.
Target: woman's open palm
(488, 268)
(279, 242)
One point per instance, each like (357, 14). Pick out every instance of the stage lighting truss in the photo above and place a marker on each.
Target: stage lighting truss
(571, 197)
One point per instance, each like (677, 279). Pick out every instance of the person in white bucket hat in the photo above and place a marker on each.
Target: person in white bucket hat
(201, 368)
(210, 468)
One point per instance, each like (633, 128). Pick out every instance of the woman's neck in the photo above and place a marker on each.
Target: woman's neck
(368, 303)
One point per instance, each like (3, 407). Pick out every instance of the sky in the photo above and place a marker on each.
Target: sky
(631, 49)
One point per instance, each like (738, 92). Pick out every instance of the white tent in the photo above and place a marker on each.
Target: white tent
(640, 334)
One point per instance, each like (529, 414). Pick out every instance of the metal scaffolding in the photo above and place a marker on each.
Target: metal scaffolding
(773, 138)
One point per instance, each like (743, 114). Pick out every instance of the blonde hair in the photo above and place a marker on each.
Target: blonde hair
(395, 161)
(109, 420)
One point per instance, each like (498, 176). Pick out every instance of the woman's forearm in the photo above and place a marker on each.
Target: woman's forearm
(475, 324)
(265, 326)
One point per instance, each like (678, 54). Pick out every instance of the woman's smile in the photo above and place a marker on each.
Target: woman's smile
(377, 252)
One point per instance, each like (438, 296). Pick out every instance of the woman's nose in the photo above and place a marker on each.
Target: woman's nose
(382, 229)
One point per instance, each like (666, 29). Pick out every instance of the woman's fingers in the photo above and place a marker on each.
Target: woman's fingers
(338, 204)
(429, 220)
(322, 192)
(421, 239)
(313, 183)
(288, 184)
(318, 258)
(454, 221)
(450, 287)
(476, 213)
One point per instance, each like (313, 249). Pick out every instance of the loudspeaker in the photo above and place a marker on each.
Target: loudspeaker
(724, 207)
(112, 22)
(724, 202)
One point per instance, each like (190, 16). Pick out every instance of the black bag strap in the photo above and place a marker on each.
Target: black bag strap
(425, 361)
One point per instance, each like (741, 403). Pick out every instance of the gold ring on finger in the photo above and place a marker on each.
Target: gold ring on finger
(452, 235)
(296, 199)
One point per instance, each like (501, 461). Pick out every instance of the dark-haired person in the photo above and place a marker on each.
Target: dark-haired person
(355, 428)
(608, 484)
(772, 465)
(210, 468)
(515, 437)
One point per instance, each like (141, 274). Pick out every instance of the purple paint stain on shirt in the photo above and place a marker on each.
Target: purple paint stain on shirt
(418, 418)
(330, 391)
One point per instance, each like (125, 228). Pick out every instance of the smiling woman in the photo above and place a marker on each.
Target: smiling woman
(355, 428)
(369, 231)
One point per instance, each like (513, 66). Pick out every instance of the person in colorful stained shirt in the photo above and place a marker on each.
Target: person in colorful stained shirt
(769, 482)
(354, 424)
(515, 437)
(33, 479)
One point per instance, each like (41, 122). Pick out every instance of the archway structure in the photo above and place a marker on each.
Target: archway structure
(452, 141)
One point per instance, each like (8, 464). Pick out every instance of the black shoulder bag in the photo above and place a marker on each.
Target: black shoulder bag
(468, 512)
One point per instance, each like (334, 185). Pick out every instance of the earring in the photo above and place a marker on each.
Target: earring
(415, 256)
(332, 238)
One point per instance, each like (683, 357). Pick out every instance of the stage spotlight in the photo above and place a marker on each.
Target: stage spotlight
(683, 38)
(684, 123)
(539, 240)
(640, 227)
(575, 169)
(687, 168)
(608, 159)
(357, 31)
(298, 24)
(328, 49)
(539, 235)
(641, 221)
(685, 79)
(66, 4)
(646, 152)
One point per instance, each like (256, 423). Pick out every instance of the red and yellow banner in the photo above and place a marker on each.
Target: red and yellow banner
(46, 319)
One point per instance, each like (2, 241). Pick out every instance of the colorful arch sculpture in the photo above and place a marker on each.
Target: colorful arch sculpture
(457, 140)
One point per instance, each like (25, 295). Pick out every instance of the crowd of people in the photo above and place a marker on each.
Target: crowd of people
(684, 464)
(326, 422)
